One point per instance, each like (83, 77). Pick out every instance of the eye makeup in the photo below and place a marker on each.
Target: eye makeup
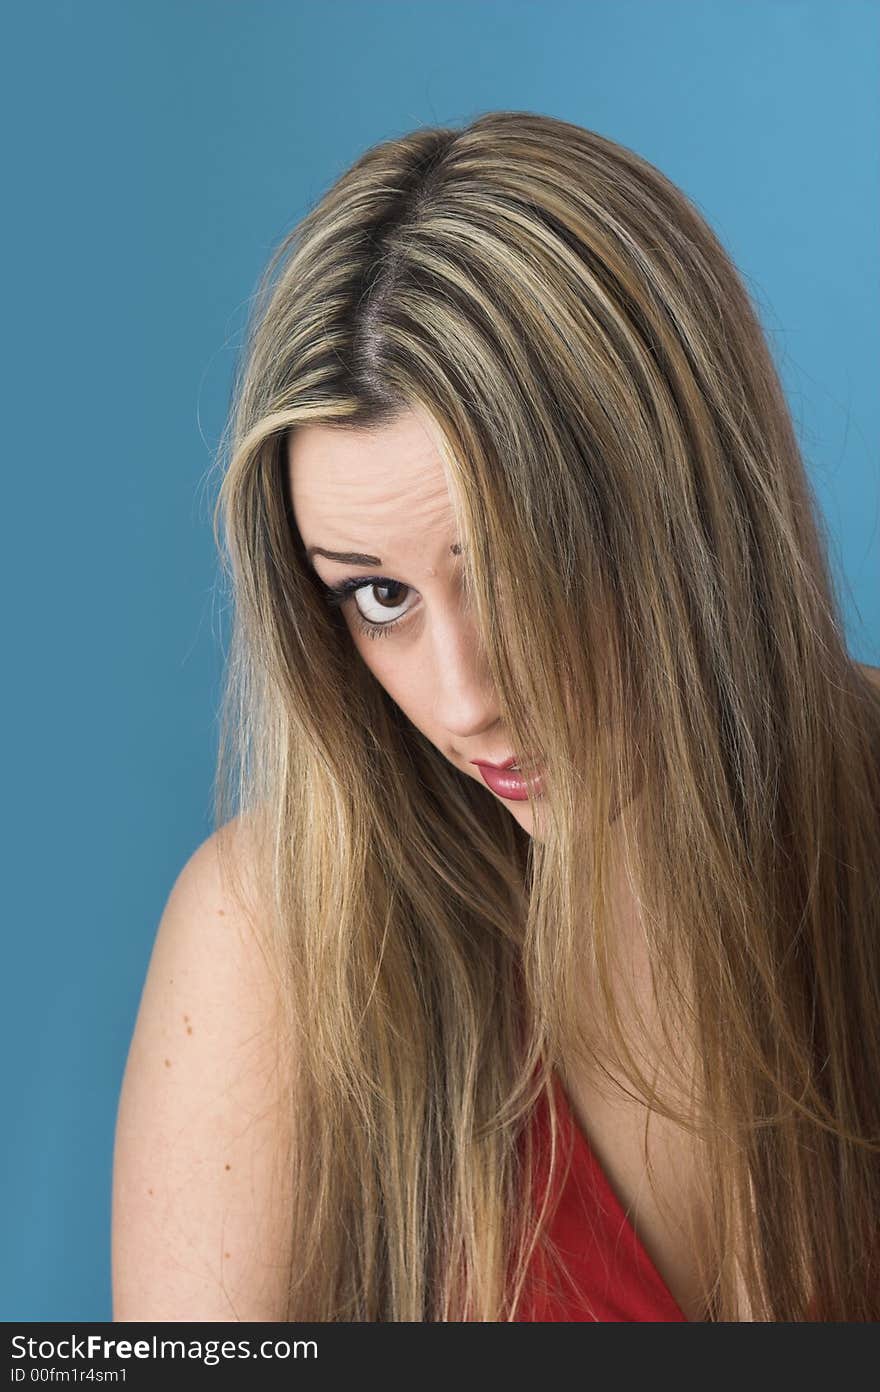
(337, 595)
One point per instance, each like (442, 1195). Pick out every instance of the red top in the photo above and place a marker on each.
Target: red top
(612, 1276)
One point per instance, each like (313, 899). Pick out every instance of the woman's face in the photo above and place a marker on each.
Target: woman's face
(380, 497)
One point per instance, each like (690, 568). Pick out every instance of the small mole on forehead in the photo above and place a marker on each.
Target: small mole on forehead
(455, 548)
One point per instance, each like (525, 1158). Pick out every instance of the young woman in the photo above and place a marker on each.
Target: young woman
(510, 477)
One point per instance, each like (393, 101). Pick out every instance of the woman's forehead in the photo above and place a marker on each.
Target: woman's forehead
(362, 489)
(405, 445)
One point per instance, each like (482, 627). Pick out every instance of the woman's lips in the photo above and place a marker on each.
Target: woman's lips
(510, 783)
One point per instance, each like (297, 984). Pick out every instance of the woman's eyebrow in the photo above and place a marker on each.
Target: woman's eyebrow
(347, 557)
(357, 557)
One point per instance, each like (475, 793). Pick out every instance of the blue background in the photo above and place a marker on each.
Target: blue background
(156, 153)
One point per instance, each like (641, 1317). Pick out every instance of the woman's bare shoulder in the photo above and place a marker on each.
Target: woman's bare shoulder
(200, 1191)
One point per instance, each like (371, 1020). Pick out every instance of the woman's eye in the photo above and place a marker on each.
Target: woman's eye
(377, 603)
(380, 603)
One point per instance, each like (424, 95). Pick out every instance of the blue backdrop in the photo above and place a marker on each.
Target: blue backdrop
(156, 152)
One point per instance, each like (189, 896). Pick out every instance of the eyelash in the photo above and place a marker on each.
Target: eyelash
(337, 595)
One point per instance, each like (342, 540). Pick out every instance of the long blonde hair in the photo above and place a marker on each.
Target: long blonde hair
(648, 571)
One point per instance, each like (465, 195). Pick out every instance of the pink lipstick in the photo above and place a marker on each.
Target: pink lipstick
(509, 782)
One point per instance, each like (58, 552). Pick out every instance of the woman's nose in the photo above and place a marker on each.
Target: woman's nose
(465, 700)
